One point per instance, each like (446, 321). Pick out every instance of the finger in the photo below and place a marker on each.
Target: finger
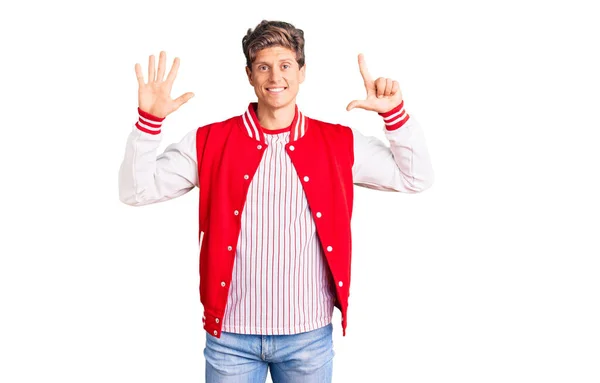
(388, 87)
(364, 71)
(139, 74)
(183, 99)
(357, 104)
(380, 87)
(173, 72)
(151, 72)
(395, 87)
(161, 66)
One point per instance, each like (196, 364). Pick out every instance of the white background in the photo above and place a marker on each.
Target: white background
(489, 276)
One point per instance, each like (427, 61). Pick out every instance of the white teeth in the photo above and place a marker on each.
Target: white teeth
(276, 90)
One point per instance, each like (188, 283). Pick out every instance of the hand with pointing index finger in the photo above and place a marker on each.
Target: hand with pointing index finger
(154, 97)
(383, 94)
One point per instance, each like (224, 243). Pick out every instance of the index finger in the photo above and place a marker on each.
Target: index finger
(362, 65)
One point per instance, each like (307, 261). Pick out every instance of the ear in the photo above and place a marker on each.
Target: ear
(302, 74)
(249, 74)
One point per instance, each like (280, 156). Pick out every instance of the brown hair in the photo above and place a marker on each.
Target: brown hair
(273, 33)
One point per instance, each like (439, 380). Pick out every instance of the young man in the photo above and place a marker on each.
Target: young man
(276, 192)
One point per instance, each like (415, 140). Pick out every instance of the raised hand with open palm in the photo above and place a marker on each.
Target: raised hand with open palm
(383, 94)
(154, 97)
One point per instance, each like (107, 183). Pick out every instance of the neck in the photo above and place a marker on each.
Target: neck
(273, 119)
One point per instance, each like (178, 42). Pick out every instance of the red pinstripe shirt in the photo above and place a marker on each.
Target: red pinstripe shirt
(280, 282)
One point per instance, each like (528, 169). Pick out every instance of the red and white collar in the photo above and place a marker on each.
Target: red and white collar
(255, 130)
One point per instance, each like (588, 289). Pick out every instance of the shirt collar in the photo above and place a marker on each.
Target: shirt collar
(255, 130)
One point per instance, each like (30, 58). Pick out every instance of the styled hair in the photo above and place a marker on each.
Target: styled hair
(273, 33)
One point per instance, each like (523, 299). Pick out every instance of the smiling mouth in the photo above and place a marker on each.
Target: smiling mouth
(276, 90)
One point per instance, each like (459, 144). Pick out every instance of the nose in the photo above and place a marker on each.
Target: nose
(275, 74)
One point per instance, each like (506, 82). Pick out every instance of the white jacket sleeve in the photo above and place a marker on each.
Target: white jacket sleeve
(402, 165)
(145, 177)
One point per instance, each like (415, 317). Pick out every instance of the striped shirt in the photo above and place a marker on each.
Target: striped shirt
(281, 283)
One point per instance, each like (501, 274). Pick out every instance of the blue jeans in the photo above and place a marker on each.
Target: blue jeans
(304, 357)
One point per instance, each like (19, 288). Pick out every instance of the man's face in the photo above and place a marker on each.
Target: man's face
(276, 76)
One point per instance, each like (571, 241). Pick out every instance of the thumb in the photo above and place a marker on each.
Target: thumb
(183, 99)
(357, 104)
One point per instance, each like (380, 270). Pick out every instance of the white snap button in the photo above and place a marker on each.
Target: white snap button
(217, 320)
(229, 248)
(292, 148)
(340, 283)
(306, 178)
(222, 284)
(329, 248)
(259, 147)
(215, 332)
(246, 176)
(236, 212)
(318, 214)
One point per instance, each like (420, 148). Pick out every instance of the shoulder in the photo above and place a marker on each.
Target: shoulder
(338, 136)
(331, 132)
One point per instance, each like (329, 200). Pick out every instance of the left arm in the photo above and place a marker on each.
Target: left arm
(404, 165)
(401, 165)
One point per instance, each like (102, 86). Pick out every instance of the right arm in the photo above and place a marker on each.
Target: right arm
(146, 178)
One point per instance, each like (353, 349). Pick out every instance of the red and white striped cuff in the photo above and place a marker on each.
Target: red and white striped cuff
(395, 118)
(149, 123)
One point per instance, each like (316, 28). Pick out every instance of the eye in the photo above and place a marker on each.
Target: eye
(263, 67)
(286, 66)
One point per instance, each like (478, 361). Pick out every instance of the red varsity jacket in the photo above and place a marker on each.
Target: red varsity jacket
(228, 155)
